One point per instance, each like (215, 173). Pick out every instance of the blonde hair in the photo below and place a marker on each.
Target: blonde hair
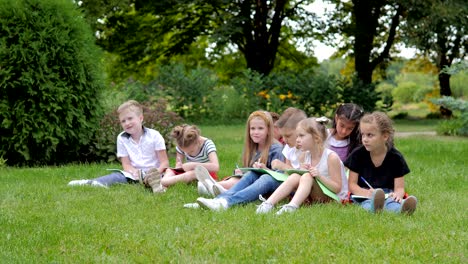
(383, 123)
(251, 147)
(317, 128)
(132, 106)
(185, 135)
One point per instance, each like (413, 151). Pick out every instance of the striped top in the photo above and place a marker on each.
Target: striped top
(202, 156)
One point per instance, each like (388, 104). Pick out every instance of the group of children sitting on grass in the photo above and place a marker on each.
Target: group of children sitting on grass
(288, 157)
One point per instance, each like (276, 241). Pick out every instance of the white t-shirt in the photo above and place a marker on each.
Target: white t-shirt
(292, 154)
(142, 154)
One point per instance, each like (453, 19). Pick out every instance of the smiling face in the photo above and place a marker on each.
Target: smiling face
(289, 136)
(344, 127)
(131, 121)
(258, 131)
(372, 138)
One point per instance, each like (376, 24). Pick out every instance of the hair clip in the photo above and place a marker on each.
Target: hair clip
(322, 120)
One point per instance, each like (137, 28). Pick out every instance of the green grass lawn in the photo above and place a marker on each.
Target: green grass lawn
(417, 125)
(42, 220)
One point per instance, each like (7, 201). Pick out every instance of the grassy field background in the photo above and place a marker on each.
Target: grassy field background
(42, 220)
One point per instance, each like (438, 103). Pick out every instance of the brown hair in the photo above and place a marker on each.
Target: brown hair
(383, 123)
(185, 135)
(131, 105)
(250, 147)
(290, 117)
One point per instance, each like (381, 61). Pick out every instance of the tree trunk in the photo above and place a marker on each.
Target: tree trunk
(262, 39)
(444, 79)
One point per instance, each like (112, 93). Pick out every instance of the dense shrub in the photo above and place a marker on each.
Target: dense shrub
(103, 147)
(50, 82)
(458, 125)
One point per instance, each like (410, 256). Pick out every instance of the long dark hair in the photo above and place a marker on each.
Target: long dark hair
(353, 113)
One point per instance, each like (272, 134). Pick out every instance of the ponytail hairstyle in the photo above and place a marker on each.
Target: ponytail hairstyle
(317, 127)
(185, 135)
(383, 123)
(250, 147)
(349, 112)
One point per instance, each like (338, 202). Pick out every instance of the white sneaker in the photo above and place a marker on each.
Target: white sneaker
(264, 208)
(98, 184)
(217, 189)
(287, 208)
(217, 204)
(79, 182)
(408, 206)
(192, 205)
(202, 190)
(204, 177)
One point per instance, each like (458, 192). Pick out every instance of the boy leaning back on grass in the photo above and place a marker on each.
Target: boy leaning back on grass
(141, 150)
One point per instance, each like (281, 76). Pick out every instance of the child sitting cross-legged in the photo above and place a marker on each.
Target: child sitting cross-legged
(377, 169)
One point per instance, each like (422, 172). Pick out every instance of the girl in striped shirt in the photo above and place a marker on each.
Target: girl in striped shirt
(192, 150)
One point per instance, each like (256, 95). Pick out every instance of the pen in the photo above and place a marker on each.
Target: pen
(237, 165)
(364, 180)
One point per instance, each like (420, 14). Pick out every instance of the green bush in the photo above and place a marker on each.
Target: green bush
(458, 125)
(104, 148)
(50, 82)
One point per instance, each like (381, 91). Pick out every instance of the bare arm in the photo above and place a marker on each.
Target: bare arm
(334, 170)
(354, 188)
(399, 191)
(127, 166)
(163, 160)
(279, 165)
(212, 165)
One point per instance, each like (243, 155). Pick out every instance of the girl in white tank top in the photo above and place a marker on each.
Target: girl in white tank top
(324, 179)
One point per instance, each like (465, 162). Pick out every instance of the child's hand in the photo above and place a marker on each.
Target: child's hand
(313, 171)
(276, 164)
(305, 166)
(237, 172)
(396, 197)
(259, 165)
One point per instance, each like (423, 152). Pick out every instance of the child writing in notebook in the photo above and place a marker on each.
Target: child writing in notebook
(141, 150)
(192, 150)
(287, 123)
(377, 168)
(212, 188)
(343, 136)
(325, 179)
(259, 151)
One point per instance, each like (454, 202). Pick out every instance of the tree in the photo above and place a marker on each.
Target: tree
(368, 30)
(144, 30)
(438, 29)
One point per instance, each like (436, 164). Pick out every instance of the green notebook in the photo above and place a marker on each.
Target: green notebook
(324, 188)
(275, 174)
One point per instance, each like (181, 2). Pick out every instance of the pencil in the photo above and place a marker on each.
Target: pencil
(364, 180)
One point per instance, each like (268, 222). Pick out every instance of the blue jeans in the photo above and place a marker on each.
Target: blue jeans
(389, 205)
(115, 177)
(250, 186)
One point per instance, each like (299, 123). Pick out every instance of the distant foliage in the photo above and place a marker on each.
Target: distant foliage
(103, 146)
(458, 126)
(50, 82)
(354, 91)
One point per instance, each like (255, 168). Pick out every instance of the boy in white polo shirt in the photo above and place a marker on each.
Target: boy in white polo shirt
(140, 150)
